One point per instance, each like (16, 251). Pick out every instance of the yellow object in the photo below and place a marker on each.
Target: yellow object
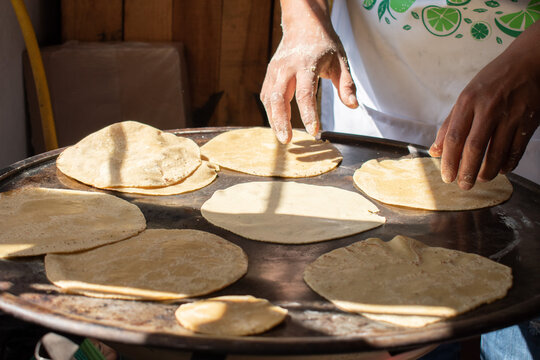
(40, 80)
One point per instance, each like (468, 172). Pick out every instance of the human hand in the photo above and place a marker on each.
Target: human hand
(494, 117)
(309, 49)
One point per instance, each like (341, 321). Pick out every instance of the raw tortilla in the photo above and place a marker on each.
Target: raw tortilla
(157, 264)
(130, 154)
(203, 176)
(415, 321)
(406, 282)
(417, 183)
(290, 212)
(256, 151)
(230, 315)
(35, 221)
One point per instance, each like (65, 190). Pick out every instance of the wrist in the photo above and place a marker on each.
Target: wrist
(304, 14)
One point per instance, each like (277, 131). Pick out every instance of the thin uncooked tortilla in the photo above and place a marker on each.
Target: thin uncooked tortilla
(35, 221)
(230, 315)
(256, 151)
(203, 176)
(157, 264)
(415, 321)
(290, 212)
(130, 154)
(417, 183)
(405, 281)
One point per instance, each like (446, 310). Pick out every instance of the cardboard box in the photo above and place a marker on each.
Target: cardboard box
(93, 85)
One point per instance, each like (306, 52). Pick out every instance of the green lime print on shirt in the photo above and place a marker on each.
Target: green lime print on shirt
(457, 2)
(492, 4)
(480, 30)
(446, 20)
(401, 6)
(368, 4)
(441, 21)
(514, 24)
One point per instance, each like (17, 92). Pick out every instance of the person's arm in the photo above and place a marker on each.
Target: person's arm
(309, 49)
(494, 117)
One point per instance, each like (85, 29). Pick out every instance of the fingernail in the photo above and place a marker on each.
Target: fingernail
(465, 185)
(311, 128)
(447, 178)
(282, 136)
(352, 100)
(434, 150)
(466, 182)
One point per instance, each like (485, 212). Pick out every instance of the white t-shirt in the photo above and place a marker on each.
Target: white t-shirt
(410, 59)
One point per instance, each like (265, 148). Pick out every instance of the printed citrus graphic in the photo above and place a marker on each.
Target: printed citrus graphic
(441, 21)
(368, 4)
(457, 2)
(401, 5)
(514, 24)
(480, 30)
(492, 4)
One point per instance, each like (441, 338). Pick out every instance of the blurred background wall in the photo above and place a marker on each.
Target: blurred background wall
(45, 17)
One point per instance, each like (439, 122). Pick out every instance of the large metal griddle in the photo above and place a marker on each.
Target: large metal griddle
(508, 233)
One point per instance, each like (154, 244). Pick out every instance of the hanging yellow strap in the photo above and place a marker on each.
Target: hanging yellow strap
(40, 80)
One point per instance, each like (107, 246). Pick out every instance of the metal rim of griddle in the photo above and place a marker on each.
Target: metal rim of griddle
(466, 327)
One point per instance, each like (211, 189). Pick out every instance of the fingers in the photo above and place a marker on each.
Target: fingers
(500, 145)
(276, 96)
(480, 145)
(459, 125)
(306, 98)
(497, 152)
(436, 148)
(521, 138)
(341, 77)
(474, 149)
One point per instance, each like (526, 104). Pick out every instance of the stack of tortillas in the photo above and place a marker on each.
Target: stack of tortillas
(157, 264)
(417, 183)
(256, 151)
(406, 282)
(137, 158)
(35, 221)
(289, 212)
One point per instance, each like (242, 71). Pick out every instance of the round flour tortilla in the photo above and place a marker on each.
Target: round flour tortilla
(405, 281)
(130, 154)
(417, 183)
(256, 151)
(230, 315)
(35, 221)
(203, 176)
(290, 212)
(157, 264)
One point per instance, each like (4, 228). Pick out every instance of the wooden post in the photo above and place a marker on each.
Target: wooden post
(92, 20)
(148, 20)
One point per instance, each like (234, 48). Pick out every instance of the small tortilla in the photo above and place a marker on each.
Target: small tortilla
(290, 212)
(230, 316)
(130, 154)
(417, 183)
(157, 264)
(256, 151)
(406, 278)
(35, 221)
(203, 176)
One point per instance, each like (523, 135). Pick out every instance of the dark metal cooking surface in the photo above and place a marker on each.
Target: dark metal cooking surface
(508, 233)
